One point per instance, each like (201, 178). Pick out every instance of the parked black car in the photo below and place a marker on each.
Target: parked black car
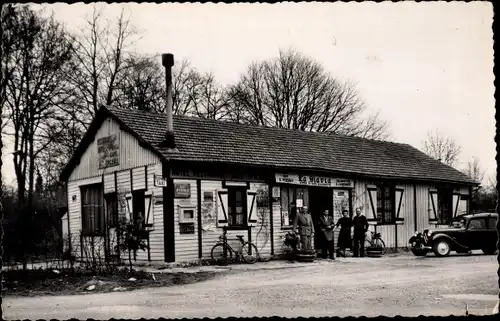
(465, 233)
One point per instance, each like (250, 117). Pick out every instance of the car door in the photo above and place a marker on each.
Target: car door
(476, 230)
(492, 235)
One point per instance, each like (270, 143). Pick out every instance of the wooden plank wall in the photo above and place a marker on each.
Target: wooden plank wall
(124, 188)
(186, 245)
(131, 154)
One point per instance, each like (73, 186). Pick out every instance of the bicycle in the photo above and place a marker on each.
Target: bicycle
(222, 252)
(375, 241)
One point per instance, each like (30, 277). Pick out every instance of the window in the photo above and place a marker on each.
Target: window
(288, 196)
(237, 206)
(208, 196)
(477, 224)
(385, 204)
(138, 209)
(93, 221)
(112, 209)
(492, 222)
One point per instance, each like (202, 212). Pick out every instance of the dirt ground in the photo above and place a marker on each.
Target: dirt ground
(56, 283)
(401, 285)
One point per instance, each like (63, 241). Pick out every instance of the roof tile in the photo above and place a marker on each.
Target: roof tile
(225, 142)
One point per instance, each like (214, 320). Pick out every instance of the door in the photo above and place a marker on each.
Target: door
(476, 232)
(492, 235)
(320, 199)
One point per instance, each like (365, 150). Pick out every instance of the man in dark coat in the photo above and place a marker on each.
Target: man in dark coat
(344, 241)
(326, 226)
(304, 224)
(360, 225)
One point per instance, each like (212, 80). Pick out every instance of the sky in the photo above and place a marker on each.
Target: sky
(422, 66)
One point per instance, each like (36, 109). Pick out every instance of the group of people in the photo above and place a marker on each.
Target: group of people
(303, 225)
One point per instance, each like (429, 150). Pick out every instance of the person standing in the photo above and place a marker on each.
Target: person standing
(344, 241)
(360, 225)
(326, 226)
(304, 224)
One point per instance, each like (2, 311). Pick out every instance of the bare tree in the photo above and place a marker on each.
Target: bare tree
(9, 37)
(444, 149)
(294, 91)
(100, 65)
(143, 85)
(474, 170)
(194, 94)
(210, 98)
(35, 90)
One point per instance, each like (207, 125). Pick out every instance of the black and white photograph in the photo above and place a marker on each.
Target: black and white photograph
(189, 160)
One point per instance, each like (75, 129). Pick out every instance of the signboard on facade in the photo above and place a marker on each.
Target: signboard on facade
(108, 151)
(186, 228)
(182, 190)
(160, 181)
(312, 180)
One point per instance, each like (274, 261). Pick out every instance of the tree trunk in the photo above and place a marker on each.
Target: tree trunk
(130, 261)
(31, 171)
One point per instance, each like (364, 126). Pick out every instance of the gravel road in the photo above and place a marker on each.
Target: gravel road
(403, 285)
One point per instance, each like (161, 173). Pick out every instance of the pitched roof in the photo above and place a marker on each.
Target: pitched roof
(225, 142)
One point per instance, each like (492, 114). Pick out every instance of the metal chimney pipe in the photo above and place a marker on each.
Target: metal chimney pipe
(167, 60)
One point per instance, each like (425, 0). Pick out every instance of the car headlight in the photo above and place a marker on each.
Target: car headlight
(429, 232)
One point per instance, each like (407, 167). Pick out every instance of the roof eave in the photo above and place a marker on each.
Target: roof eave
(327, 171)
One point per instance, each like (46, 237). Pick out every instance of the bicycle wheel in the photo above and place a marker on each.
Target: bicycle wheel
(221, 254)
(380, 244)
(368, 243)
(249, 253)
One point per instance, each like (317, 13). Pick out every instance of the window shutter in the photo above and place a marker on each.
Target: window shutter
(372, 204)
(433, 204)
(148, 211)
(222, 208)
(399, 192)
(128, 214)
(456, 202)
(251, 208)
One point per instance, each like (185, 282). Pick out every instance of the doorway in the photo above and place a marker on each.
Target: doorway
(320, 199)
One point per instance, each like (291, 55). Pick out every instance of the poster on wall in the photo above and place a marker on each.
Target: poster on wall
(108, 151)
(340, 203)
(208, 215)
(276, 192)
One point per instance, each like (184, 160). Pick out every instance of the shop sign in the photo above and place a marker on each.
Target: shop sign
(342, 182)
(160, 181)
(312, 180)
(182, 190)
(108, 151)
(287, 179)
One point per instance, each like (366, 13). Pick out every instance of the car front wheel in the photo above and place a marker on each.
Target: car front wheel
(442, 248)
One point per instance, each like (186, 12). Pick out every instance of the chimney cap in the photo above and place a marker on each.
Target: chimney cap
(167, 60)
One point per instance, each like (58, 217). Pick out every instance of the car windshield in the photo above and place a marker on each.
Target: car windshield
(458, 222)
